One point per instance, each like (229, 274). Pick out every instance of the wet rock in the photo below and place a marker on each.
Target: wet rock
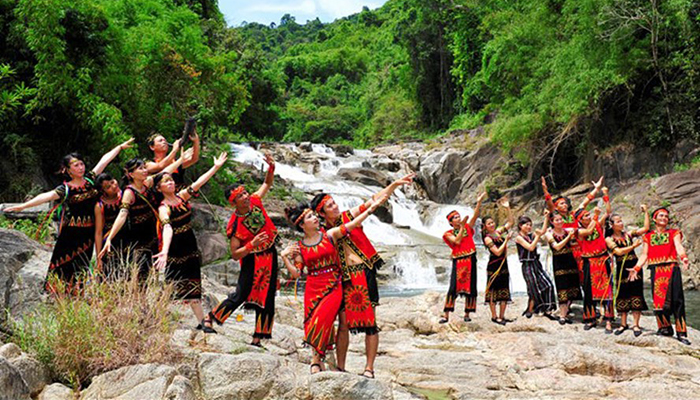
(366, 176)
(342, 150)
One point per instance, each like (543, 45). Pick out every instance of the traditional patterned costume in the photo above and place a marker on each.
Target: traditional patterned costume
(630, 294)
(498, 277)
(184, 259)
(597, 279)
(76, 238)
(141, 235)
(323, 295)
(360, 292)
(257, 281)
(666, 280)
(463, 277)
(110, 211)
(540, 288)
(566, 273)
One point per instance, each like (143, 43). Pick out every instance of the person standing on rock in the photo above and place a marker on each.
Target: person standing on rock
(629, 295)
(597, 266)
(253, 236)
(179, 253)
(463, 278)
(540, 289)
(77, 196)
(566, 277)
(323, 295)
(138, 212)
(562, 205)
(661, 250)
(359, 262)
(498, 278)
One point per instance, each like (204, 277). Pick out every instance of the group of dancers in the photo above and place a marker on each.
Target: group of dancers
(148, 221)
(584, 246)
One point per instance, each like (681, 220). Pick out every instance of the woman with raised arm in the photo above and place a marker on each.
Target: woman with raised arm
(137, 211)
(497, 275)
(460, 240)
(106, 211)
(597, 266)
(77, 196)
(323, 295)
(562, 205)
(180, 255)
(566, 275)
(540, 289)
(629, 295)
(162, 158)
(662, 249)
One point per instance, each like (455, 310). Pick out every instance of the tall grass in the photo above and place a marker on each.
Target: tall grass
(109, 324)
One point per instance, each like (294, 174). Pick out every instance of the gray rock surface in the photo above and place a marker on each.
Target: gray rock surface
(12, 386)
(23, 267)
(33, 372)
(136, 382)
(56, 391)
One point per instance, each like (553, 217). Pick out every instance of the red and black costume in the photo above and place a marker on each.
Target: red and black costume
(257, 281)
(76, 237)
(630, 294)
(566, 272)
(463, 277)
(498, 277)
(141, 234)
(666, 280)
(184, 266)
(597, 278)
(360, 292)
(110, 211)
(323, 296)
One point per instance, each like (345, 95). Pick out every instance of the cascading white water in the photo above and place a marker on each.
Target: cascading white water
(417, 252)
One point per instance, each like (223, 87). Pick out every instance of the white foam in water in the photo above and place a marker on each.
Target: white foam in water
(414, 273)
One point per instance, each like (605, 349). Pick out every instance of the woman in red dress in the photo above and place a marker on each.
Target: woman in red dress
(323, 296)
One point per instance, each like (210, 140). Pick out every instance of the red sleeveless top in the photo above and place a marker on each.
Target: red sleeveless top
(662, 250)
(466, 247)
(594, 244)
(246, 227)
(320, 258)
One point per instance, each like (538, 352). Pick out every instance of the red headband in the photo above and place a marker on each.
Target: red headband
(235, 192)
(653, 216)
(301, 217)
(559, 200)
(451, 214)
(323, 202)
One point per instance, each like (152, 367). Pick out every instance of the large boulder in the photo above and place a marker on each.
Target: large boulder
(366, 176)
(33, 373)
(136, 382)
(213, 246)
(23, 267)
(332, 385)
(56, 391)
(12, 386)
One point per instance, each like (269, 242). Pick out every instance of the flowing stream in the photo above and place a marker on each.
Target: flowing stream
(412, 245)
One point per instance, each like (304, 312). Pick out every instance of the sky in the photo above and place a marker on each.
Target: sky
(267, 11)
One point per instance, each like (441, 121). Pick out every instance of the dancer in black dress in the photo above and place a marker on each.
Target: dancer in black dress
(77, 197)
(629, 295)
(106, 212)
(180, 255)
(566, 276)
(138, 212)
(540, 288)
(498, 277)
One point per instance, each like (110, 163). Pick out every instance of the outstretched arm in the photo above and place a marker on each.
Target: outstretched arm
(269, 178)
(196, 148)
(647, 222)
(155, 167)
(547, 197)
(162, 258)
(196, 185)
(608, 206)
(99, 227)
(590, 196)
(511, 219)
(477, 209)
(387, 191)
(337, 232)
(111, 155)
(40, 199)
(127, 199)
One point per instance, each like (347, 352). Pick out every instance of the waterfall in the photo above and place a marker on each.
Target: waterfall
(412, 245)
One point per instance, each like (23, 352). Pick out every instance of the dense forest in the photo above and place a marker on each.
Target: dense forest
(542, 76)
